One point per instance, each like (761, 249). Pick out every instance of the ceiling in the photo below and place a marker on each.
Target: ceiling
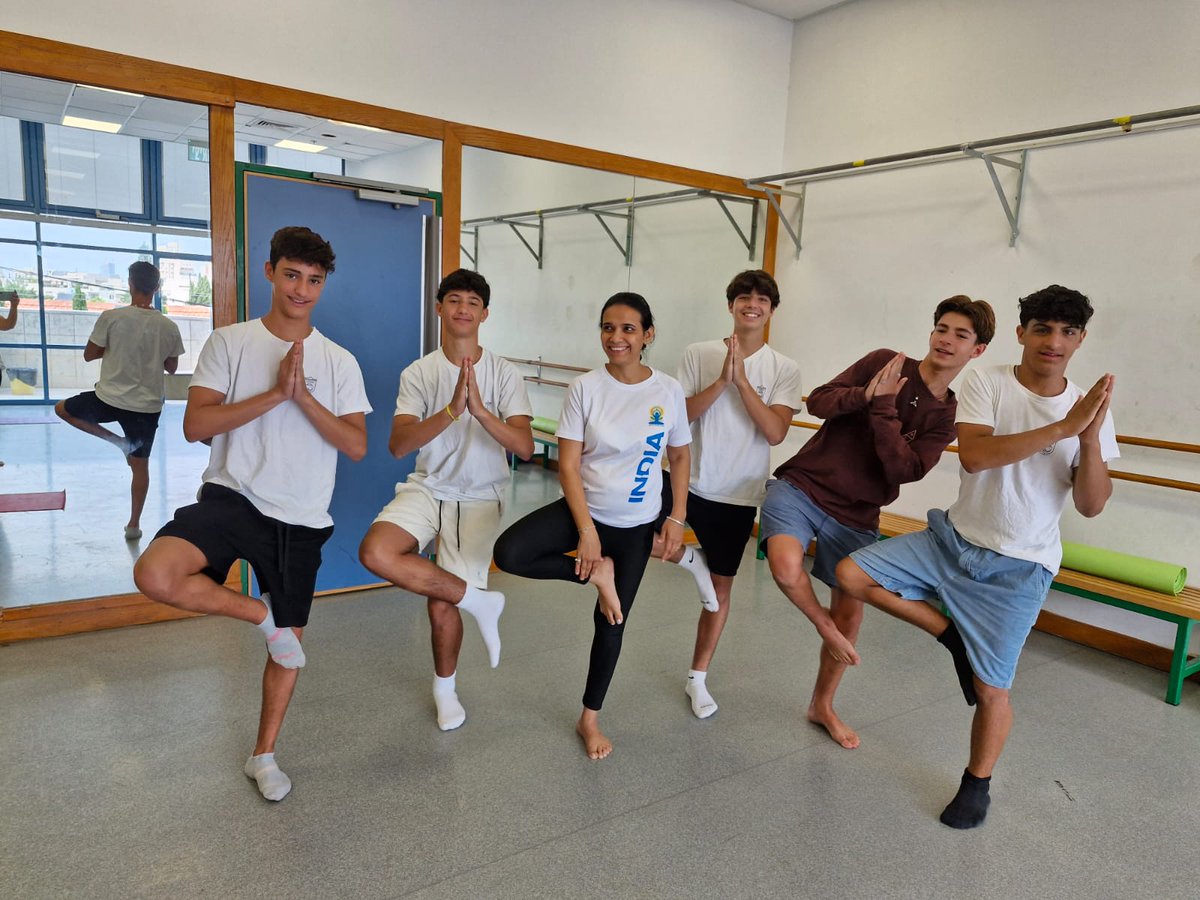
(792, 9)
(42, 100)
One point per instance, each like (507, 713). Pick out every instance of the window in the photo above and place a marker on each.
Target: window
(12, 165)
(185, 184)
(91, 170)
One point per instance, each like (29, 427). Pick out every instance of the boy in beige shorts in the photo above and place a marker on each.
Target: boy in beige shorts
(462, 407)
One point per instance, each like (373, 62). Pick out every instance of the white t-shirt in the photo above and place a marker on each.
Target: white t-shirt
(464, 462)
(1015, 509)
(623, 428)
(730, 456)
(136, 341)
(278, 461)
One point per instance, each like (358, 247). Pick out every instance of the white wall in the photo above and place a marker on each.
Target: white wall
(680, 81)
(1114, 219)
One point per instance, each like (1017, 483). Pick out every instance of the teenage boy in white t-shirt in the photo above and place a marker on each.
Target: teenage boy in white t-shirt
(462, 407)
(136, 345)
(279, 401)
(741, 396)
(1028, 438)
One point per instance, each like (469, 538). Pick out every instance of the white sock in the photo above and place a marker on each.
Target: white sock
(450, 713)
(703, 705)
(282, 643)
(485, 607)
(693, 560)
(272, 783)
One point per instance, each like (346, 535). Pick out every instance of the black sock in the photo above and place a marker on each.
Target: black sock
(969, 807)
(952, 641)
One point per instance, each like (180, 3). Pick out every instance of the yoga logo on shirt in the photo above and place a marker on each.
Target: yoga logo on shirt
(1046, 451)
(310, 382)
(656, 416)
(646, 464)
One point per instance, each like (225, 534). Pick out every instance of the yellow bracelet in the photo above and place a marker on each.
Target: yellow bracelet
(453, 417)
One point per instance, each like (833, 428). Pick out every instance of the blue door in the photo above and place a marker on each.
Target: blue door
(372, 305)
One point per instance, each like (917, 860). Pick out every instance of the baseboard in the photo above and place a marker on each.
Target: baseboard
(25, 623)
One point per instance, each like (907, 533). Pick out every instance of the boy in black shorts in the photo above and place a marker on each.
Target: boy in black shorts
(741, 396)
(279, 401)
(136, 344)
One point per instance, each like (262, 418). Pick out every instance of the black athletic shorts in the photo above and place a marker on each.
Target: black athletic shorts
(226, 527)
(139, 427)
(721, 528)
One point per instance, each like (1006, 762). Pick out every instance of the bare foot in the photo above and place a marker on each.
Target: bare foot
(840, 647)
(604, 580)
(838, 730)
(595, 744)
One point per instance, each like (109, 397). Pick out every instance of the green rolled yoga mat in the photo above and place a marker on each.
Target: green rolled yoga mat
(1166, 578)
(547, 425)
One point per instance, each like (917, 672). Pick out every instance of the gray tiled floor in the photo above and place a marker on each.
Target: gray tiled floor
(121, 756)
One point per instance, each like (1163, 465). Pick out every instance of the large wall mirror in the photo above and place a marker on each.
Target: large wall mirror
(92, 180)
(555, 241)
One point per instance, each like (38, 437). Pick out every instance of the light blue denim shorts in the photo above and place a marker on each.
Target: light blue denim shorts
(787, 510)
(993, 599)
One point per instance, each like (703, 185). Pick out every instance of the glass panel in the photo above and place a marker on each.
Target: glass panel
(18, 272)
(185, 184)
(92, 170)
(187, 300)
(199, 244)
(303, 162)
(85, 283)
(120, 238)
(69, 374)
(241, 151)
(16, 228)
(12, 160)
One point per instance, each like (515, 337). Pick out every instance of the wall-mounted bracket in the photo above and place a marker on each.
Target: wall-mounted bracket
(627, 250)
(773, 195)
(541, 236)
(1012, 211)
(473, 253)
(751, 242)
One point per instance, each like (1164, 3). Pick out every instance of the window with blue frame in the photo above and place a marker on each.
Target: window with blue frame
(76, 208)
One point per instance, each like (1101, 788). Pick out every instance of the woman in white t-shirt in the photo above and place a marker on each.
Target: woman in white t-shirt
(616, 423)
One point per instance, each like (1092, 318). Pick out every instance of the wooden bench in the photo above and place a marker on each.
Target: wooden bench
(1182, 610)
(546, 436)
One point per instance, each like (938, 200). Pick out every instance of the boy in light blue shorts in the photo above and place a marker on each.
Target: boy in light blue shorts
(1028, 438)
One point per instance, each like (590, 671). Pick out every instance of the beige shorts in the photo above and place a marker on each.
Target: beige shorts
(465, 530)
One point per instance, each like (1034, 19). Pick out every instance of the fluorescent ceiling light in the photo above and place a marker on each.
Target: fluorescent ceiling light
(93, 124)
(356, 125)
(300, 145)
(92, 87)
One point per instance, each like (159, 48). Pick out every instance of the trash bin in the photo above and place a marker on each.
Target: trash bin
(25, 374)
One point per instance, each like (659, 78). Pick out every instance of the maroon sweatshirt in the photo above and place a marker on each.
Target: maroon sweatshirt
(864, 451)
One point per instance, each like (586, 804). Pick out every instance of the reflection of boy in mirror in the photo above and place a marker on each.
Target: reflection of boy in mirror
(887, 420)
(461, 407)
(136, 345)
(279, 401)
(741, 396)
(1027, 439)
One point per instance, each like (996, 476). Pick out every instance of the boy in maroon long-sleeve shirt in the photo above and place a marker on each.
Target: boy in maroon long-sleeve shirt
(887, 421)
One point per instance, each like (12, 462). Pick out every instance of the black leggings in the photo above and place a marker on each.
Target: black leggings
(536, 547)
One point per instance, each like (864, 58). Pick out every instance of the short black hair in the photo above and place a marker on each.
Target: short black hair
(636, 302)
(1056, 304)
(144, 277)
(465, 280)
(303, 245)
(754, 281)
(980, 312)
